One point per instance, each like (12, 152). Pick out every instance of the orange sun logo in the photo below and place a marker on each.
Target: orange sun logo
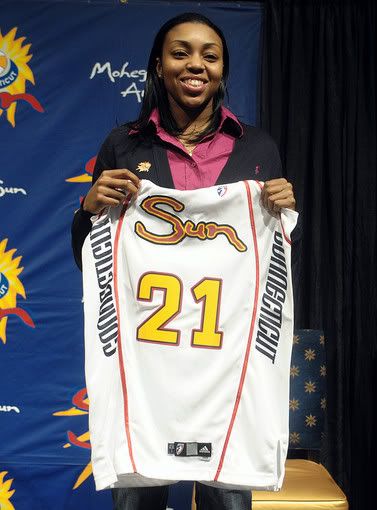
(88, 174)
(80, 407)
(10, 287)
(14, 73)
(5, 492)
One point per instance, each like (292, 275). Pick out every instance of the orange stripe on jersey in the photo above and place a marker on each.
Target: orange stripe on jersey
(251, 331)
(120, 354)
(284, 234)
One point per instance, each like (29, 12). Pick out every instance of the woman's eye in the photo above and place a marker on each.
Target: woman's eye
(179, 54)
(211, 57)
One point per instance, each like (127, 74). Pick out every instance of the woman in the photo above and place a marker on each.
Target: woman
(184, 139)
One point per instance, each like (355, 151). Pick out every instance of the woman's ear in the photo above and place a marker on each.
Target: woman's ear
(158, 67)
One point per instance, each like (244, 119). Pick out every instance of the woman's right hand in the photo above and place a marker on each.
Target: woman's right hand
(110, 189)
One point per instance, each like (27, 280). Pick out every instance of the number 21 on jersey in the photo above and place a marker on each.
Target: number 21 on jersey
(207, 293)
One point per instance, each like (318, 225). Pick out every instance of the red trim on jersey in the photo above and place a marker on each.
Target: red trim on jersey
(260, 184)
(120, 354)
(251, 331)
(284, 234)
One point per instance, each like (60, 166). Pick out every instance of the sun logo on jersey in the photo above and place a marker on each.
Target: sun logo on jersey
(180, 229)
(14, 73)
(10, 288)
(80, 407)
(5, 492)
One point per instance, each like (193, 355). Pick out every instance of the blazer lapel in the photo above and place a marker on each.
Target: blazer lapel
(234, 169)
(164, 177)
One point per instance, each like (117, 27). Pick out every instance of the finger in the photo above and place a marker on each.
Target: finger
(130, 187)
(276, 192)
(105, 192)
(274, 186)
(269, 201)
(288, 203)
(123, 185)
(120, 185)
(102, 201)
(283, 199)
(276, 200)
(273, 189)
(122, 173)
(109, 201)
(281, 194)
(281, 181)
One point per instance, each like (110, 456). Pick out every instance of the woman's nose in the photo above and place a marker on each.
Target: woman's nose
(195, 63)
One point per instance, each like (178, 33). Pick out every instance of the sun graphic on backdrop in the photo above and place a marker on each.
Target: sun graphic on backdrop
(5, 493)
(10, 285)
(88, 175)
(12, 51)
(80, 407)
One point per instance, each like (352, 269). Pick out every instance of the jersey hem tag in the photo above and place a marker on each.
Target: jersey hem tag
(190, 449)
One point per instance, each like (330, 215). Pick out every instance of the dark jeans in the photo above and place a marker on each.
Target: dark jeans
(155, 498)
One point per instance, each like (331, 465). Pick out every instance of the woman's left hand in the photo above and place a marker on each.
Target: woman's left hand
(276, 194)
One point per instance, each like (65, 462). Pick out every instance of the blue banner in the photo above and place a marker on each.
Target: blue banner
(69, 72)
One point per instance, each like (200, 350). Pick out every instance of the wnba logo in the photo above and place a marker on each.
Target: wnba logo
(221, 190)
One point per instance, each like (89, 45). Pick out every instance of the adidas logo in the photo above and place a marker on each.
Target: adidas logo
(204, 449)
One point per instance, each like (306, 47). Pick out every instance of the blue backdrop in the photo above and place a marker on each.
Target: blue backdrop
(69, 71)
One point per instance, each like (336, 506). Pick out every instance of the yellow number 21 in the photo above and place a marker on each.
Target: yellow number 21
(207, 292)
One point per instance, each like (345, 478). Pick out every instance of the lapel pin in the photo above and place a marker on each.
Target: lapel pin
(144, 166)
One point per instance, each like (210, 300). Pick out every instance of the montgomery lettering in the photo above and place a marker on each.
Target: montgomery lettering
(271, 312)
(107, 325)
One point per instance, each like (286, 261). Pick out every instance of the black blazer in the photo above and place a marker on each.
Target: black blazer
(254, 156)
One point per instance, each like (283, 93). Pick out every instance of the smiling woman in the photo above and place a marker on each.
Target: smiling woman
(191, 68)
(185, 139)
(186, 77)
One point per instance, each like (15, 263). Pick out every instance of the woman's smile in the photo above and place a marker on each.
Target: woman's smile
(195, 85)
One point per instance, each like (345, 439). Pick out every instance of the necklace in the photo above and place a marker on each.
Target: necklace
(188, 146)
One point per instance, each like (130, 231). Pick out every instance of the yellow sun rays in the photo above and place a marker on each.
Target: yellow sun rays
(75, 411)
(80, 178)
(9, 267)
(5, 492)
(20, 56)
(84, 476)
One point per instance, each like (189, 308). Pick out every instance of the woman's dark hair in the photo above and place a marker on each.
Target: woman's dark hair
(155, 95)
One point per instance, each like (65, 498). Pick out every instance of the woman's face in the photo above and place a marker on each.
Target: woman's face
(191, 66)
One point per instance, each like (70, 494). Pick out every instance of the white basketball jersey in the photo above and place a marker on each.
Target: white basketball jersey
(188, 333)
